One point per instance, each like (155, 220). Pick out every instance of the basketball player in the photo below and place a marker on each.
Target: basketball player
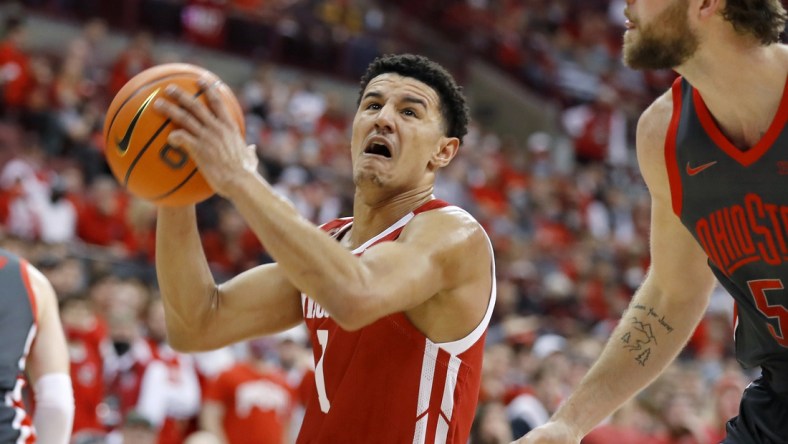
(33, 343)
(714, 153)
(397, 298)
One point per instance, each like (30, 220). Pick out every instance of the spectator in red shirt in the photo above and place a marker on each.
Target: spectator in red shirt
(136, 58)
(125, 361)
(250, 402)
(15, 76)
(102, 219)
(231, 247)
(169, 391)
(85, 333)
(204, 22)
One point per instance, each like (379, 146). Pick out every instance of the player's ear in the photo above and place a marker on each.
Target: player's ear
(706, 9)
(444, 153)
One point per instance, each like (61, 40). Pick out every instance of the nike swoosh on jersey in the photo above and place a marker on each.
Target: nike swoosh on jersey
(695, 170)
(123, 144)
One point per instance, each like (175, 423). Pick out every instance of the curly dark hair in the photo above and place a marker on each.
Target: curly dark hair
(763, 19)
(453, 106)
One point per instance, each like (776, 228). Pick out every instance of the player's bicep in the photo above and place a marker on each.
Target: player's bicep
(678, 263)
(404, 275)
(431, 256)
(257, 302)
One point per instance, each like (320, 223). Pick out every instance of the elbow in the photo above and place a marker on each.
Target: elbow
(354, 310)
(184, 339)
(185, 331)
(349, 322)
(182, 345)
(186, 342)
(180, 341)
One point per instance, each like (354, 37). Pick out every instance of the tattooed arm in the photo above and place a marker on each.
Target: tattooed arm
(662, 315)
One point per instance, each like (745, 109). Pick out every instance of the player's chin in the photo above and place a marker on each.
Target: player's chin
(365, 177)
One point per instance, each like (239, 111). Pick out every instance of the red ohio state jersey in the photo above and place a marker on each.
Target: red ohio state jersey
(387, 382)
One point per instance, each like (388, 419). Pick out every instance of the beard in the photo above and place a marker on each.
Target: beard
(665, 43)
(366, 176)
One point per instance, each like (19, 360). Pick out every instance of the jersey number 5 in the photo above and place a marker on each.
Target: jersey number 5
(320, 379)
(758, 289)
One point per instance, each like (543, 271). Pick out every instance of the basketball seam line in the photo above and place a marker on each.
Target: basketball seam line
(148, 144)
(183, 182)
(137, 91)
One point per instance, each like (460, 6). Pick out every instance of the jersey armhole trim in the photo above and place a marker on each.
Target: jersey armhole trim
(671, 161)
(461, 345)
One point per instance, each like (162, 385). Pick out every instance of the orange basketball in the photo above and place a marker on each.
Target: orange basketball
(135, 135)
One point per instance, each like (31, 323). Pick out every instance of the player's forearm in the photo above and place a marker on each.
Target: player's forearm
(651, 333)
(312, 261)
(183, 274)
(54, 413)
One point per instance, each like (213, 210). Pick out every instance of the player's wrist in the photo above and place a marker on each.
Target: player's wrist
(239, 183)
(570, 428)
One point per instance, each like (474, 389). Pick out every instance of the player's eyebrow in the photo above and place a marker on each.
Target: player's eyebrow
(415, 101)
(372, 94)
(409, 99)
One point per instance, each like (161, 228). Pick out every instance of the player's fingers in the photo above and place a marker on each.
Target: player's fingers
(180, 117)
(182, 139)
(190, 102)
(213, 94)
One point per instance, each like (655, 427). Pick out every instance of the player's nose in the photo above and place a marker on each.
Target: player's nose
(384, 120)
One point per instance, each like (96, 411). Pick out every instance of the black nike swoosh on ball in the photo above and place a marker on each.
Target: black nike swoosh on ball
(123, 144)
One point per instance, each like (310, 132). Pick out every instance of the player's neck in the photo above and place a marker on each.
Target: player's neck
(373, 215)
(741, 88)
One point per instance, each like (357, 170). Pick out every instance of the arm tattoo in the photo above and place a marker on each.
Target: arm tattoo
(640, 337)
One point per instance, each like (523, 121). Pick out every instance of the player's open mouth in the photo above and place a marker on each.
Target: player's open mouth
(378, 149)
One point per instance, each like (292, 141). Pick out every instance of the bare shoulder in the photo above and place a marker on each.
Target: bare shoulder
(42, 288)
(652, 131)
(452, 226)
(452, 235)
(49, 353)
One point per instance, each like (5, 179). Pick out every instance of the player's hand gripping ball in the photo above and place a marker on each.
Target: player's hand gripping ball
(135, 135)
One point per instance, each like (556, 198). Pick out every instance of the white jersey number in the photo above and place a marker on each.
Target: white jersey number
(320, 381)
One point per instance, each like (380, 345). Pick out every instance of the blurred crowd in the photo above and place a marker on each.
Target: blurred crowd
(567, 213)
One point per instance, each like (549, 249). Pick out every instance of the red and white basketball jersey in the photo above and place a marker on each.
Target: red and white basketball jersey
(387, 382)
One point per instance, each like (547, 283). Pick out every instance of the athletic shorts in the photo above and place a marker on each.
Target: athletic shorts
(763, 417)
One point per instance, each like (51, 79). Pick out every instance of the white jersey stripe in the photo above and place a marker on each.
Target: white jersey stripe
(31, 334)
(447, 403)
(425, 389)
(442, 432)
(427, 375)
(420, 436)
